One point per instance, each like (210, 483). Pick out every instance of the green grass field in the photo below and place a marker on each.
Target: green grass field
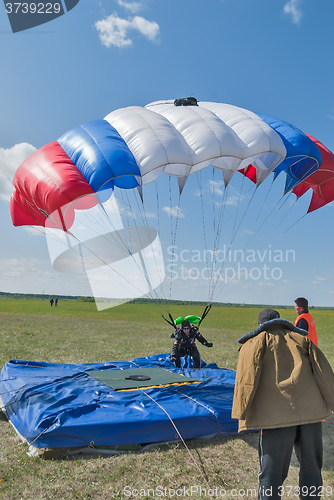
(75, 332)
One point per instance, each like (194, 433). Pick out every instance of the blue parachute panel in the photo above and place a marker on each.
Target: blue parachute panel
(60, 406)
(101, 155)
(303, 157)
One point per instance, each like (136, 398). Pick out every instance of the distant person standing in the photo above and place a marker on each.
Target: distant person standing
(51, 302)
(56, 301)
(305, 320)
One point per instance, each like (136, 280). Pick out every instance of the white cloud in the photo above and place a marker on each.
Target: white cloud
(234, 200)
(10, 160)
(215, 187)
(292, 8)
(174, 211)
(25, 268)
(113, 31)
(133, 7)
(35, 275)
(150, 215)
(320, 280)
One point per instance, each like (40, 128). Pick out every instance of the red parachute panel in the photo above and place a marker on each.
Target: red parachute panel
(45, 184)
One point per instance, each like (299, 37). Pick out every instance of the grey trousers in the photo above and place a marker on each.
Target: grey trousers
(275, 449)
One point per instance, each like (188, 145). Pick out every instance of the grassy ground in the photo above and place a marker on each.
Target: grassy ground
(75, 332)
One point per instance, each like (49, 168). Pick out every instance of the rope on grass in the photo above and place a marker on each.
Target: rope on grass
(179, 434)
(24, 451)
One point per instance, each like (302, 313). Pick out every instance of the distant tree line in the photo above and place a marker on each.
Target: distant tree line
(36, 296)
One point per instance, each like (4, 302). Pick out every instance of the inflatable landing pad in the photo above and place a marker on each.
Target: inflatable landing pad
(60, 407)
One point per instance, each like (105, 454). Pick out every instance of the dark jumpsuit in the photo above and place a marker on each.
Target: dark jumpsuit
(185, 344)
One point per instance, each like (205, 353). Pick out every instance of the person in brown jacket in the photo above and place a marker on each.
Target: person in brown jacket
(285, 388)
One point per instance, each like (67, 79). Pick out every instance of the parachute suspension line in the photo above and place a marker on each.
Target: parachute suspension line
(92, 218)
(152, 290)
(284, 200)
(173, 232)
(59, 240)
(250, 240)
(283, 232)
(257, 218)
(146, 270)
(302, 217)
(89, 250)
(264, 201)
(200, 184)
(217, 242)
(288, 229)
(213, 201)
(288, 211)
(158, 204)
(251, 236)
(141, 268)
(179, 434)
(102, 223)
(109, 266)
(158, 214)
(236, 213)
(146, 225)
(177, 212)
(277, 208)
(234, 234)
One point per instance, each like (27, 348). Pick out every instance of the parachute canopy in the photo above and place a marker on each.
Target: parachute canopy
(69, 187)
(132, 146)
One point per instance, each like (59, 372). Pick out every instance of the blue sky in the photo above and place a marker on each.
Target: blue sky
(269, 56)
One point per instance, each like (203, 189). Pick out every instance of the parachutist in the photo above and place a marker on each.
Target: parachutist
(184, 344)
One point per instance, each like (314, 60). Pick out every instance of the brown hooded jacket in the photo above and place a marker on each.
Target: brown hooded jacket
(282, 379)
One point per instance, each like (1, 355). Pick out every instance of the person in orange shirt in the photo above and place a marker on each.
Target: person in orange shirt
(305, 320)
